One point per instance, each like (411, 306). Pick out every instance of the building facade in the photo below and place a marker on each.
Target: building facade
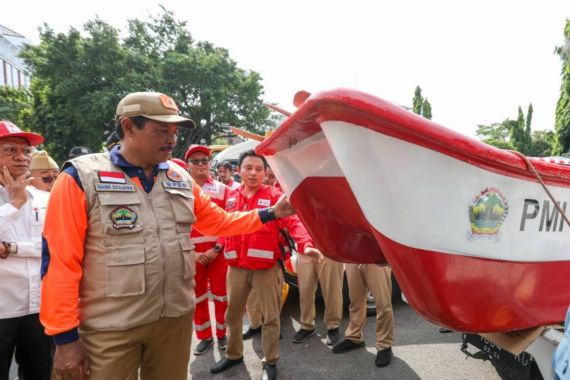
(13, 72)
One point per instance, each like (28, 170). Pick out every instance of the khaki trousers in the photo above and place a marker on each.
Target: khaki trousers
(160, 349)
(378, 280)
(329, 274)
(253, 311)
(267, 285)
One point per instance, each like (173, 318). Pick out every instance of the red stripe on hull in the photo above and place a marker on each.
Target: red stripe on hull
(328, 209)
(471, 294)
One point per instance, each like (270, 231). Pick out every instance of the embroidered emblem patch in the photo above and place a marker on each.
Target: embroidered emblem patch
(264, 202)
(123, 217)
(487, 214)
(112, 177)
(173, 175)
(231, 203)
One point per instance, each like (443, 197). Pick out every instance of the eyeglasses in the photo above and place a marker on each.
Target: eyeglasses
(12, 150)
(201, 161)
(48, 179)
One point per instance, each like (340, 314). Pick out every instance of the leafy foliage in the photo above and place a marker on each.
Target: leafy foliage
(562, 121)
(421, 105)
(78, 79)
(15, 105)
(517, 135)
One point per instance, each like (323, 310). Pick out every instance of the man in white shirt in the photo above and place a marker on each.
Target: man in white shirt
(21, 223)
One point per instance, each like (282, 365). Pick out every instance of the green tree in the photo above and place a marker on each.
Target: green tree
(421, 105)
(78, 78)
(562, 120)
(516, 135)
(15, 105)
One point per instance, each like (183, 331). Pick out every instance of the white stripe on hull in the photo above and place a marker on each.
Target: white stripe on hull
(421, 198)
(311, 157)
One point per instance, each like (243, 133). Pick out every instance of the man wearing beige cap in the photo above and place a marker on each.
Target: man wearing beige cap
(44, 171)
(21, 222)
(118, 293)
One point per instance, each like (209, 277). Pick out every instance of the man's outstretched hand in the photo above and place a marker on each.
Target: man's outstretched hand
(283, 208)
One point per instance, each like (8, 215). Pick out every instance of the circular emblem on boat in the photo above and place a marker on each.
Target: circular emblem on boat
(487, 213)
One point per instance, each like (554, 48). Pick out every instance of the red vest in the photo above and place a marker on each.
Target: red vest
(259, 250)
(218, 193)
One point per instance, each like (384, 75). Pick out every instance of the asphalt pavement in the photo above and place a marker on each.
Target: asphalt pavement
(420, 352)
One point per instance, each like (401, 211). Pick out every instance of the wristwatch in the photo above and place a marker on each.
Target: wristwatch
(9, 249)
(218, 248)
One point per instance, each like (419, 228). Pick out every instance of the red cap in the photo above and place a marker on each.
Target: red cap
(9, 129)
(196, 148)
(180, 162)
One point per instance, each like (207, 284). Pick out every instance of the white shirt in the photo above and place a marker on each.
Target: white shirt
(20, 274)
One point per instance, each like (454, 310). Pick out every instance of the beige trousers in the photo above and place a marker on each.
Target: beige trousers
(329, 274)
(377, 279)
(267, 284)
(160, 349)
(253, 311)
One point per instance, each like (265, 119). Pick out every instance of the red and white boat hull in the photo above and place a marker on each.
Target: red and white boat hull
(470, 234)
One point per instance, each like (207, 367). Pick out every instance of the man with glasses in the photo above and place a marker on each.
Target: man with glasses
(118, 293)
(20, 259)
(44, 171)
(211, 268)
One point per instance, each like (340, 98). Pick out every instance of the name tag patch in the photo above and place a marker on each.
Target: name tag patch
(114, 187)
(264, 202)
(123, 217)
(175, 185)
(112, 177)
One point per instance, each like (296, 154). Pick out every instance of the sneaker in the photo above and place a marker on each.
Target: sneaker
(222, 343)
(302, 335)
(383, 357)
(203, 346)
(347, 345)
(249, 332)
(332, 337)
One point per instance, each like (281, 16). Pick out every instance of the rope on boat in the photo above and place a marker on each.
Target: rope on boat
(539, 178)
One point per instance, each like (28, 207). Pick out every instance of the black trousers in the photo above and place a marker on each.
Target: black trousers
(34, 349)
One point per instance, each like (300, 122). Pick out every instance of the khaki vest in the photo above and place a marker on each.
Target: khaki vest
(139, 262)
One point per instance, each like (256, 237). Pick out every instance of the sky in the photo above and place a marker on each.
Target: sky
(475, 61)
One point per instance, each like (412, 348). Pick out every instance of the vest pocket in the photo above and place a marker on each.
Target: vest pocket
(187, 249)
(125, 272)
(182, 202)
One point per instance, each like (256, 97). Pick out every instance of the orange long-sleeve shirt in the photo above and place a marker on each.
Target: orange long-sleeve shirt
(64, 240)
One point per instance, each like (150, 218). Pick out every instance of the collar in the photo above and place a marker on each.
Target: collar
(118, 160)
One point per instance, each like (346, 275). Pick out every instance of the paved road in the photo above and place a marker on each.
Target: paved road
(421, 352)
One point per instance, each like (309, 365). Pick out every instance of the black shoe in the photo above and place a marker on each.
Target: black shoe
(302, 335)
(249, 332)
(332, 337)
(383, 357)
(224, 364)
(203, 346)
(222, 343)
(443, 330)
(346, 345)
(269, 372)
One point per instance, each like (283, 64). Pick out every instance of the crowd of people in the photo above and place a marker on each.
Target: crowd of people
(126, 248)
